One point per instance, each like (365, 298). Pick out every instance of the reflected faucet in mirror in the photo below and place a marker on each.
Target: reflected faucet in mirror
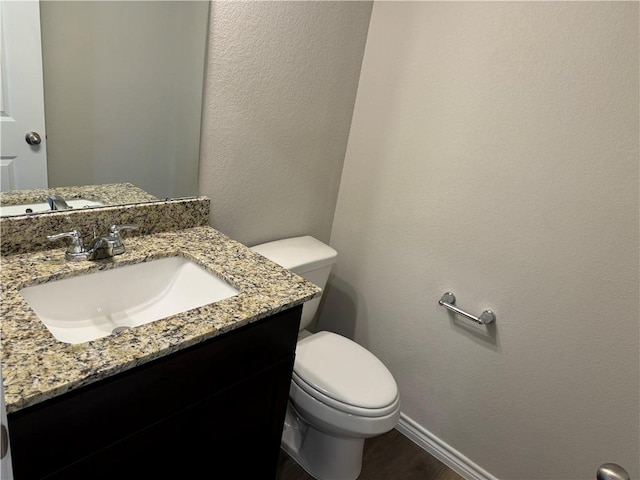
(51, 200)
(56, 202)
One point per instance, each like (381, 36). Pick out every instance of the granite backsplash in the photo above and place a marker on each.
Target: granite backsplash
(28, 233)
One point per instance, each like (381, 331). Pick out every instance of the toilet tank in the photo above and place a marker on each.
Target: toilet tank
(307, 257)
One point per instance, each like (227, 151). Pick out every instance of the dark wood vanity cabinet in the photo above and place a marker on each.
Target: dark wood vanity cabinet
(214, 410)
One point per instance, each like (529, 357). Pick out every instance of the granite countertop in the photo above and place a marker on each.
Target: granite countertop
(37, 367)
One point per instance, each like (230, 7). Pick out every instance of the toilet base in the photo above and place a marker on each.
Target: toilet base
(323, 456)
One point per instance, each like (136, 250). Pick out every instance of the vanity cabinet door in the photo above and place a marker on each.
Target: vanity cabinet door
(203, 405)
(234, 434)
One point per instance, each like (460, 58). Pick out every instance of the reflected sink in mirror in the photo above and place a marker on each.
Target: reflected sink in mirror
(86, 307)
(27, 208)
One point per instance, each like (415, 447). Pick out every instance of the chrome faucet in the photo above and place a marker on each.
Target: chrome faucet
(56, 202)
(99, 248)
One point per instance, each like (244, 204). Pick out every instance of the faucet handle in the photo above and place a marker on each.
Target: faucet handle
(116, 229)
(75, 244)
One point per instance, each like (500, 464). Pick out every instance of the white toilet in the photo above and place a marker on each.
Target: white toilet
(340, 393)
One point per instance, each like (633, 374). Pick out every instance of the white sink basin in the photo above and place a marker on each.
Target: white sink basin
(27, 208)
(87, 307)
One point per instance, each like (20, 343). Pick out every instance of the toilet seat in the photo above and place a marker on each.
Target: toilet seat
(340, 373)
(344, 407)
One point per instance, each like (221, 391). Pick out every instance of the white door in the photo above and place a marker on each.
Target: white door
(23, 165)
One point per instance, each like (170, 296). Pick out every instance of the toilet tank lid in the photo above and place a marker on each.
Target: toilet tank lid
(300, 254)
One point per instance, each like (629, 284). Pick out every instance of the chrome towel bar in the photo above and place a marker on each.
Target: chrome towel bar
(448, 301)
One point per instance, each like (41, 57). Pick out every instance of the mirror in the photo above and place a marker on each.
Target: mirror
(123, 87)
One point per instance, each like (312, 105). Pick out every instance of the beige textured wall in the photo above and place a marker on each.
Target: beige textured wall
(494, 153)
(279, 94)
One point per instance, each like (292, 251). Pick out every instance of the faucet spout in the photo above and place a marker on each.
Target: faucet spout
(56, 202)
(102, 247)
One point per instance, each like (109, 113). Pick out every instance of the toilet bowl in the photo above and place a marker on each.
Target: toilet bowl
(340, 393)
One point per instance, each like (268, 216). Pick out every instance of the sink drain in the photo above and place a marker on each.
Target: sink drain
(119, 329)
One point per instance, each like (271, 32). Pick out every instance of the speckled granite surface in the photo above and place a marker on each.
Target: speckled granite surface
(25, 233)
(37, 367)
(109, 194)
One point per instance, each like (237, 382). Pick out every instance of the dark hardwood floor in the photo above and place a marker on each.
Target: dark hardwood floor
(390, 456)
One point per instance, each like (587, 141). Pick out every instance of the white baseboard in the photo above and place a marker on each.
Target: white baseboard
(441, 450)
